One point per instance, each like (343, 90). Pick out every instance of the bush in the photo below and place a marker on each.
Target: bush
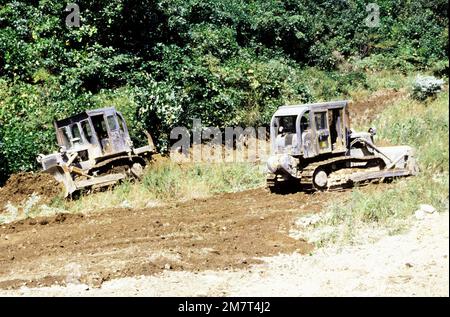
(440, 68)
(165, 62)
(426, 86)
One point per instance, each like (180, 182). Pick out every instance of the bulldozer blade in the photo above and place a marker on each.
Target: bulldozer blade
(100, 181)
(64, 178)
(364, 176)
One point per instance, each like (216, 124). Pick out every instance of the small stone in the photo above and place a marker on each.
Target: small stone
(167, 266)
(427, 208)
(125, 204)
(261, 218)
(420, 214)
(6, 237)
(408, 265)
(308, 220)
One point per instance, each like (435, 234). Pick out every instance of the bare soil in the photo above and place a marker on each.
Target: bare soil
(412, 264)
(21, 186)
(225, 232)
(415, 263)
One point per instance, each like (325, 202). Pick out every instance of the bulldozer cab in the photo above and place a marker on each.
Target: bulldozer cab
(94, 133)
(313, 146)
(95, 151)
(310, 130)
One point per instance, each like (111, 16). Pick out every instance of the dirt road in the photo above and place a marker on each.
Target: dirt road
(225, 232)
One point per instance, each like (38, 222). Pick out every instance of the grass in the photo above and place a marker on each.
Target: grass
(422, 125)
(167, 181)
(326, 86)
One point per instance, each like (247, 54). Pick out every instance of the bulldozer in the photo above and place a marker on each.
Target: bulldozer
(95, 151)
(314, 148)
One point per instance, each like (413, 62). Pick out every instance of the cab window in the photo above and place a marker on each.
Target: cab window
(64, 137)
(288, 123)
(85, 126)
(76, 135)
(75, 132)
(112, 123)
(121, 124)
(321, 121)
(304, 122)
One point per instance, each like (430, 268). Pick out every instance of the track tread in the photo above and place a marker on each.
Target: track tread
(308, 171)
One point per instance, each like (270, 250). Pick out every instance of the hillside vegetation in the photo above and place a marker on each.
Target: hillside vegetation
(163, 62)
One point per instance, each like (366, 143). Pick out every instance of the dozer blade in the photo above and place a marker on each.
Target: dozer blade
(64, 178)
(365, 176)
(100, 181)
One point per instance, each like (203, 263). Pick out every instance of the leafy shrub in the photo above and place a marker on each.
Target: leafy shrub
(426, 86)
(164, 62)
(168, 181)
(440, 68)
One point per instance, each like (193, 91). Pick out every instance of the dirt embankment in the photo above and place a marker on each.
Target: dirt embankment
(21, 186)
(223, 232)
(363, 112)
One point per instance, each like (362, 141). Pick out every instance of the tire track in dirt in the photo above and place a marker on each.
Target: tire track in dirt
(228, 231)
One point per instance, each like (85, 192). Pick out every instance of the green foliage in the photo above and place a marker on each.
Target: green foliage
(164, 62)
(426, 128)
(162, 180)
(328, 85)
(426, 87)
(440, 68)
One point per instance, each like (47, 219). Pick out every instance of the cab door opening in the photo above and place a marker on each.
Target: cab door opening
(102, 133)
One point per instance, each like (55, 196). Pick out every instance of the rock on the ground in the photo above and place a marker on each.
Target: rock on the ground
(427, 208)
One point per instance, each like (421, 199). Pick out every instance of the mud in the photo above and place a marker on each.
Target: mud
(225, 232)
(21, 186)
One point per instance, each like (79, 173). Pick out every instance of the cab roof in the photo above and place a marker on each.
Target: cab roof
(83, 115)
(292, 110)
